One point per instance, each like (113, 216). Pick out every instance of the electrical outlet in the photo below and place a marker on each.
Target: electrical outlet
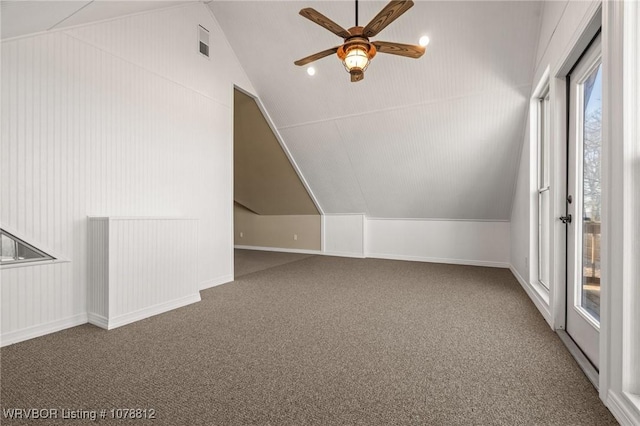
(295, 237)
(242, 235)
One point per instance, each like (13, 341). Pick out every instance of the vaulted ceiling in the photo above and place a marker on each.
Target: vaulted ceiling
(21, 17)
(437, 137)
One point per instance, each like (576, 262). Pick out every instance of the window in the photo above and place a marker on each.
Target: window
(544, 133)
(14, 250)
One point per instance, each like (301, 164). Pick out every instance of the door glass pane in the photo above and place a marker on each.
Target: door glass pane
(591, 192)
(543, 240)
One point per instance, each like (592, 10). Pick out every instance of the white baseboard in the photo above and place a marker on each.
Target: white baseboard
(98, 320)
(304, 251)
(343, 254)
(160, 308)
(540, 303)
(216, 281)
(283, 250)
(622, 409)
(438, 260)
(41, 329)
(381, 256)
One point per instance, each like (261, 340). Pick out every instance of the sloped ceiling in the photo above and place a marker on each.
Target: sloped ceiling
(263, 179)
(438, 137)
(22, 17)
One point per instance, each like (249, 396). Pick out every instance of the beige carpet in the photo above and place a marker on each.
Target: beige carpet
(321, 341)
(250, 261)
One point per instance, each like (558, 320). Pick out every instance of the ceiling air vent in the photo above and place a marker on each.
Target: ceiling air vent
(203, 37)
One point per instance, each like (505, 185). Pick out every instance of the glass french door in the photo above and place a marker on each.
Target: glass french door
(585, 202)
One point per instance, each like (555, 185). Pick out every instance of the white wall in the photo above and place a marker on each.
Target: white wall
(460, 242)
(344, 235)
(558, 34)
(140, 267)
(119, 118)
(560, 37)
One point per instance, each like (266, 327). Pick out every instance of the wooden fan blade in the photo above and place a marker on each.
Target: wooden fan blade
(387, 15)
(316, 56)
(408, 50)
(323, 21)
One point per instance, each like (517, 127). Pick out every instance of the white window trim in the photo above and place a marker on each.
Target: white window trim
(57, 258)
(543, 89)
(631, 204)
(543, 124)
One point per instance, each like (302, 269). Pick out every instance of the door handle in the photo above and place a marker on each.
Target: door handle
(566, 219)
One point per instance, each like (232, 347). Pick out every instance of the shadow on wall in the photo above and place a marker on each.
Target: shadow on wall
(272, 207)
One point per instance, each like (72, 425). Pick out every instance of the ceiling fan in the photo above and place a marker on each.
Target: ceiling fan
(357, 51)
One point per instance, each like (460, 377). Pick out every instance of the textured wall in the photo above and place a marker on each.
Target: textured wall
(119, 118)
(458, 242)
(150, 267)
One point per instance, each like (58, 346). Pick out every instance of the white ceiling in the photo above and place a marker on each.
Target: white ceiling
(22, 17)
(437, 137)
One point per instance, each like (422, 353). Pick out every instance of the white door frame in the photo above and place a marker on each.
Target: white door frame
(582, 328)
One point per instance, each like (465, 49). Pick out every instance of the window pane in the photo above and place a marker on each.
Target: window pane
(8, 248)
(543, 188)
(541, 139)
(591, 193)
(543, 241)
(546, 142)
(25, 253)
(15, 250)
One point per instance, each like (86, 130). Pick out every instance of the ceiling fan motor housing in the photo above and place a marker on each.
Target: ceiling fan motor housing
(356, 52)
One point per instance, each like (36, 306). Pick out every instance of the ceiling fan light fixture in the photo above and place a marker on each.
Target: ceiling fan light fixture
(357, 58)
(357, 51)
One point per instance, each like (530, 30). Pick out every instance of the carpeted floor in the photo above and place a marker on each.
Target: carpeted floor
(249, 261)
(321, 341)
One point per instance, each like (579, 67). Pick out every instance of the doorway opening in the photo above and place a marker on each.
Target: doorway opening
(275, 218)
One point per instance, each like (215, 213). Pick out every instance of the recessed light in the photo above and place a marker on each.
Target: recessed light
(424, 40)
(311, 71)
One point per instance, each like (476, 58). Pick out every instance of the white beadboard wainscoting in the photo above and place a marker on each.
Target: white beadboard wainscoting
(461, 242)
(140, 267)
(120, 118)
(344, 234)
(479, 243)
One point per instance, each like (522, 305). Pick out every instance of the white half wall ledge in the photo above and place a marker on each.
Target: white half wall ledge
(139, 267)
